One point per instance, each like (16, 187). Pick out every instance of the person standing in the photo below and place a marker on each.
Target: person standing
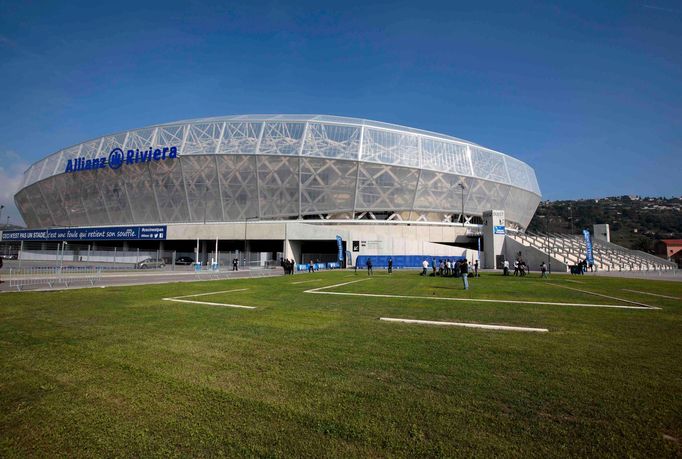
(425, 266)
(390, 265)
(505, 268)
(464, 270)
(369, 267)
(310, 266)
(543, 269)
(476, 268)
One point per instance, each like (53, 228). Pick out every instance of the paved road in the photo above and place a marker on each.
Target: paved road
(137, 277)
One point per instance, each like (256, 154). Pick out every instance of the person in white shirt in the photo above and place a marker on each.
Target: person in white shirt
(425, 267)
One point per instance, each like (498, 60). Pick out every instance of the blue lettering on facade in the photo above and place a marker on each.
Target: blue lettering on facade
(118, 158)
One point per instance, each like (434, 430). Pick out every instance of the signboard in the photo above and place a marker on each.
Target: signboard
(118, 158)
(106, 233)
(339, 243)
(356, 246)
(588, 247)
(499, 229)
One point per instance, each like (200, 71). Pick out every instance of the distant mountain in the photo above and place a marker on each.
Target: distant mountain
(635, 222)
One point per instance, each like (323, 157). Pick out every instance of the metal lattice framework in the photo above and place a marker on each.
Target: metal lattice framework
(279, 166)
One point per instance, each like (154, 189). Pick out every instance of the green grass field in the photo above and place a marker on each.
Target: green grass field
(120, 371)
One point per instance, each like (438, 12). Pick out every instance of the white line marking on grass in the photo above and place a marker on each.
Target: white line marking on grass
(317, 290)
(303, 282)
(210, 304)
(652, 294)
(477, 300)
(178, 299)
(466, 325)
(211, 293)
(645, 306)
(574, 281)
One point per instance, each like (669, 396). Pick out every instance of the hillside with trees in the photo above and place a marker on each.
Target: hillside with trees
(635, 222)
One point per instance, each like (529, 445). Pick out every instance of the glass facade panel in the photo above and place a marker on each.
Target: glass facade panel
(489, 165)
(52, 191)
(140, 192)
(239, 186)
(169, 189)
(445, 156)
(327, 185)
(439, 192)
(278, 186)
(281, 139)
(171, 136)
(203, 190)
(383, 187)
(389, 147)
(86, 183)
(113, 189)
(202, 139)
(332, 141)
(141, 139)
(240, 138)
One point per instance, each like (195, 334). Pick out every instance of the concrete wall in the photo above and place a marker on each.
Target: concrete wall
(532, 256)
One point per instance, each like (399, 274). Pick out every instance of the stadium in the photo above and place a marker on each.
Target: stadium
(283, 185)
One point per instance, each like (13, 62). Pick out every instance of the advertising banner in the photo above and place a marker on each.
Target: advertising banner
(107, 233)
(588, 245)
(499, 229)
(339, 243)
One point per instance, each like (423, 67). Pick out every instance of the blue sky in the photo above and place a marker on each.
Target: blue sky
(588, 93)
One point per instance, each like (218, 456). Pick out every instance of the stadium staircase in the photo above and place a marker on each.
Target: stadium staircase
(570, 249)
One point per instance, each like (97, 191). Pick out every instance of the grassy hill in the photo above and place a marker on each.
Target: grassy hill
(635, 222)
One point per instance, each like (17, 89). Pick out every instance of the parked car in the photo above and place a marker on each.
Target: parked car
(184, 261)
(149, 263)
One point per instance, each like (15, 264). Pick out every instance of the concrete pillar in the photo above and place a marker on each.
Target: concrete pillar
(493, 236)
(601, 232)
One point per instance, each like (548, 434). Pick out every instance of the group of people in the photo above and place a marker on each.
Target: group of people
(581, 267)
(448, 268)
(288, 265)
(521, 268)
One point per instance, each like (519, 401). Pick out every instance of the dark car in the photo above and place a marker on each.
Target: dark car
(184, 261)
(149, 263)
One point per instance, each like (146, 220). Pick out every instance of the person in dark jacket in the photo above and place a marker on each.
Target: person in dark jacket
(464, 270)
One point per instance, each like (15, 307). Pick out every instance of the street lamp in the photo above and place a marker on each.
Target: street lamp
(1, 207)
(461, 216)
(549, 263)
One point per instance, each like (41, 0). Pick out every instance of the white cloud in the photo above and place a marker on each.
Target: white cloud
(12, 168)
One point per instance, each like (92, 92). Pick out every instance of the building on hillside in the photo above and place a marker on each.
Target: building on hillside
(670, 249)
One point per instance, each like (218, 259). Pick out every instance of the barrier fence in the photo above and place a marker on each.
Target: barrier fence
(20, 278)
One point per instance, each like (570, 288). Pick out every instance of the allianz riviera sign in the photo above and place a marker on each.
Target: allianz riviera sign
(117, 158)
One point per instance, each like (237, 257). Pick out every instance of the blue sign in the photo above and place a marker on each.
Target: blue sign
(106, 233)
(588, 247)
(117, 158)
(339, 244)
(499, 229)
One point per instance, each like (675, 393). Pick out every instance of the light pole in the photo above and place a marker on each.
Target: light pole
(1, 208)
(461, 216)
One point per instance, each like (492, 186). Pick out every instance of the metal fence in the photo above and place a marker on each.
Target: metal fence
(20, 278)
